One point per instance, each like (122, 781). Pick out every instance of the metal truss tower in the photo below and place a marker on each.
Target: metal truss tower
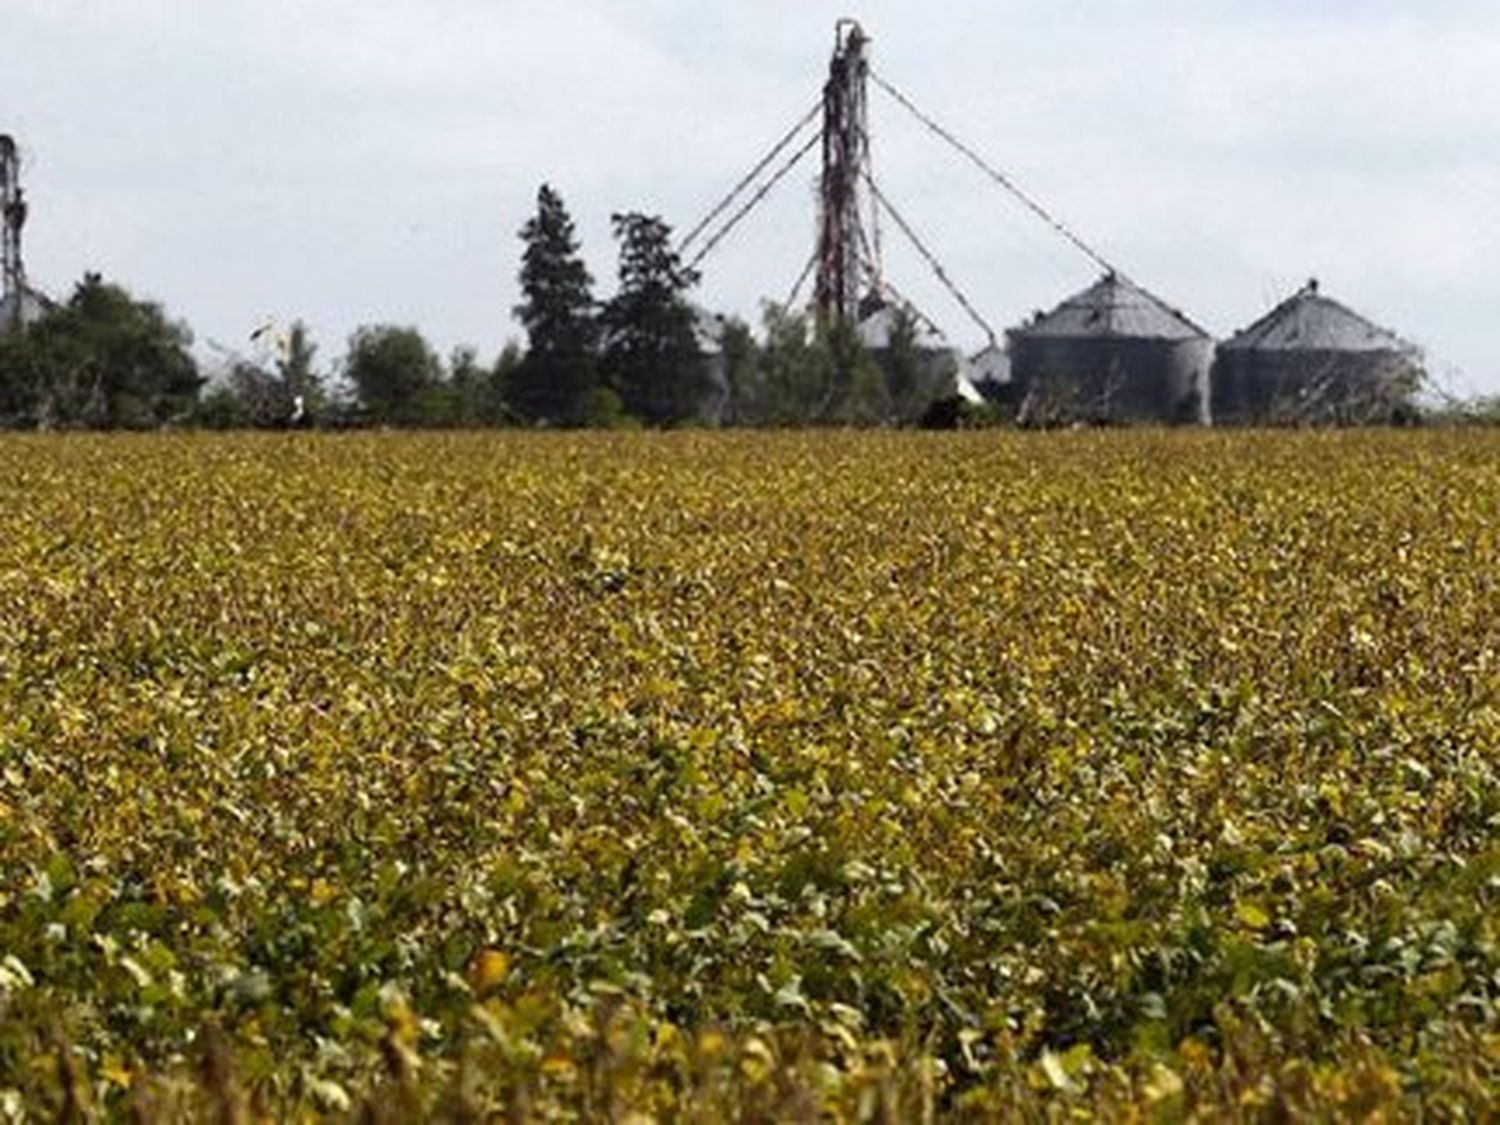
(848, 257)
(12, 219)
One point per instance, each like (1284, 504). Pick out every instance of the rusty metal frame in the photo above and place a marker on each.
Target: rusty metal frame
(12, 219)
(844, 271)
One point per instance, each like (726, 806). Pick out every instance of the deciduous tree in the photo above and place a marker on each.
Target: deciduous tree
(394, 372)
(103, 360)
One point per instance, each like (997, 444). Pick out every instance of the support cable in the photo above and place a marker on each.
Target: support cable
(760, 193)
(883, 285)
(1443, 389)
(753, 175)
(999, 177)
(887, 289)
(931, 259)
(916, 311)
(807, 272)
(875, 248)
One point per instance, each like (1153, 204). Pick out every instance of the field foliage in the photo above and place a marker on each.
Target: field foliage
(882, 777)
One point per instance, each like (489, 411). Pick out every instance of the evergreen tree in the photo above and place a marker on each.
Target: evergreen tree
(651, 354)
(553, 382)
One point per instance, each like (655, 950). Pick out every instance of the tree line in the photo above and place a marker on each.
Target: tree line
(104, 359)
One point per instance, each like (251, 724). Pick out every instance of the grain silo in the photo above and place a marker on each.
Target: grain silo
(1112, 354)
(1310, 360)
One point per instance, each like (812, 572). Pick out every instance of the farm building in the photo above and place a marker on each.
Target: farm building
(1112, 354)
(1310, 360)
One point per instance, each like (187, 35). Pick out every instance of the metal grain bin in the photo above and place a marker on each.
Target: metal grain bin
(1310, 360)
(1112, 354)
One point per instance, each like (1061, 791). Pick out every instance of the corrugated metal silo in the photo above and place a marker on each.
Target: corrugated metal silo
(1311, 360)
(1113, 353)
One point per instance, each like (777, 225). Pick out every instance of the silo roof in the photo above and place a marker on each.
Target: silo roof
(1310, 321)
(1114, 306)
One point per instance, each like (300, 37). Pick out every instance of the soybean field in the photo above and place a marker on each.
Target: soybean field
(699, 776)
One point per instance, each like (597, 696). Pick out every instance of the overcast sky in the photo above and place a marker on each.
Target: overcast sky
(370, 161)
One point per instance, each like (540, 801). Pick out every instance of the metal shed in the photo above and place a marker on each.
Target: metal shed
(1114, 353)
(1311, 360)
